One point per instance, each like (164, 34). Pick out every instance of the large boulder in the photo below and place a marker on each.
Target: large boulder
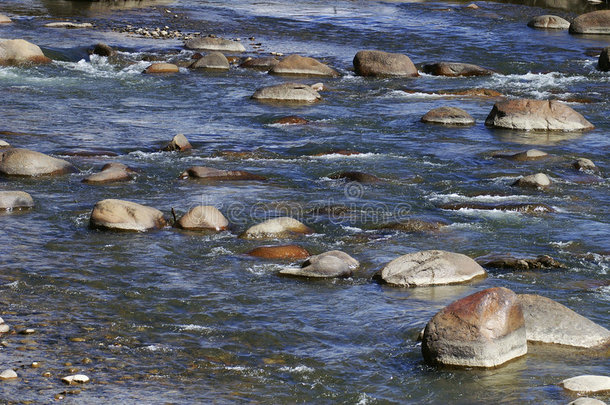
(430, 267)
(203, 217)
(287, 92)
(536, 115)
(302, 66)
(5, 19)
(25, 162)
(15, 200)
(110, 173)
(455, 69)
(485, 329)
(551, 22)
(326, 265)
(19, 51)
(585, 384)
(547, 321)
(379, 63)
(595, 22)
(213, 60)
(212, 174)
(162, 67)
(282, 227)
(214, 44)
(283, 252)
(603, 63)
(448, 116)
(120, 215)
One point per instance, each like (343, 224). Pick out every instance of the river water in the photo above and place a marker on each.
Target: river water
(183, 317)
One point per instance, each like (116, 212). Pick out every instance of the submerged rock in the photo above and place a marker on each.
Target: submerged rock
(547, 321)
(526, 208)
(299, 65)
(379, 63)
(430, 267)
(209, 173)
(530, 154)
(283, 252)
(454, 69)
(586, 384)
(595, 22)
(538, 180)
(448, 116)
(359, 177)
(162, 68)
(603, 62)
(536, 115)
(214, 44)
(549, 22)
(264, 63)
(25, 162)
(287, 92)
(123, 215)
(504, 261)
(326, 265)
(15, 200)
(282, 227)
(480, 92)
(414, 225)
(20, 51)
(203, 217)
(485, 329)
(178, 143)
(110, 173)
(291, 120)
(102, 49)
(213, 60)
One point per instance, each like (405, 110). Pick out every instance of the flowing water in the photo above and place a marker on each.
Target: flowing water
(183, 317)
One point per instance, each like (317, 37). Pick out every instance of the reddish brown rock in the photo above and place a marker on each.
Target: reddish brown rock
(379, 64)
(209, 173)
(162, 68)
(283, 252)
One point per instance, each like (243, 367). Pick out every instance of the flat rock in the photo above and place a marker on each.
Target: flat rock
(203, 217)
(506, 261)
(536, 115)
(538, 180)
(156, 68)
(297, 65)
(214, 44)
(264, 63)
(25, 162)
(547, 21)
(595, 22)
(287, 92)
(448, 116)
(547, 321)
(430, 267)
(213, 60)
(455, 69)
(212, 174)
(414, 225)
(283, 252)
(603, 62)
(326, 265)
(379, 64)
(121, 215)
(178, 143)
(477, 92)
(110, 173)
(15, 200)
(8, 374)
(291, 120)
(485, 329)
(585, 384)
(359, 177)
(281, 227)
(530, 154)
(525, 208)
(68, 24)
(585, 165)
(4, 19)
(20, 51)
(75, 379)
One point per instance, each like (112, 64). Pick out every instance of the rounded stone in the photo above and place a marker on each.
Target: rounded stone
(101, 49)
(603, 63)
(4, 328)
(287, 92)
(455, 69)
(448, 116)
(156, 68)
(18, 51)
(538, 180)
(584, 164)
(549, 22)
(212, 174)
(25, 162)
(330, 264)
(485, 329)
(15, 200)
(430, 267)
(595, 22)
(264, 63)
(214, 44)
(121, 215)
(8, 374)
(111, 172)
(284, 252)
(586, 384)
(379, 63)
(281, 227)
(213, 60)
(4, 144)
(296, 65)
(587, 401)
(178, 143)
(203, 217)
(75, 379)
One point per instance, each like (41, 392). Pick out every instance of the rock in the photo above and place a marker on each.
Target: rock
(414, 225)
(547, 321)
(525, 208)
(203, 217)
(587, 401)
(75, 379)
(19, 51)
(585, 165)
(302, 66)
(68, 24)
(454, 69)
(4, 144)
(103, 50)
(536, 115)
(549, 22)
(595, 22)
(472, 6)
(162, 68)
(281, 227)
(123, 215)
(326, 265)
(4, 19)
(111, 172)
(379, 63)
(15, 200)
(291, 120)
(504, 261)
(485, 329)
(448, 116)
(538, 180)
(4, 328)
(8, 374)
(214, 44)
(265, 63)
(430, 267)
(25, 162)
(355, 176)
(482, 92)
(343, 152)
(585, 384)
(178, 143)
(213, 60)
(209, 173)
(287, 92)
(284, 252)
(530, 154)
(603, 63)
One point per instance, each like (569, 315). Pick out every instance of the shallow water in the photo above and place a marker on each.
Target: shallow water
(177, 317)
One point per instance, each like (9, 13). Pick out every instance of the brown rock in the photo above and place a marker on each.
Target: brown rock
(178, 143)
(284, 252)
(20, 51)
(213, 60)
(485, 329)
(355, 176)
(454, 69)
(302, 66)
(120, 215)
(203, 217)
(379, 63)
(103, 50)
(595, 22)
(448, 116)
(162, 68)
(209, 173)
(265, 63)
(506, 261)
(343, 152)
(291, 120)
(110, 173)
(549, 22)
(25, 162)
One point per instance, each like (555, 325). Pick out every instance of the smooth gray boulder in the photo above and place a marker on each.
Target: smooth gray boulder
(213, 60)
(448, 116)
(326, 265)
(15, 200)
(538, 180)
(587, 384)
(549, 22)
(121, 215)
(585, 165)
(547, 321)
(428, 268)
(25, 162)
(287, 92)
(379, 64)
(595, 22)
(214, 44)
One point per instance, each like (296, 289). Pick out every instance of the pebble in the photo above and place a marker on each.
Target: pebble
(35, 364)
(8, 374)
(75, 379)
(28, 331)
(4, 328)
